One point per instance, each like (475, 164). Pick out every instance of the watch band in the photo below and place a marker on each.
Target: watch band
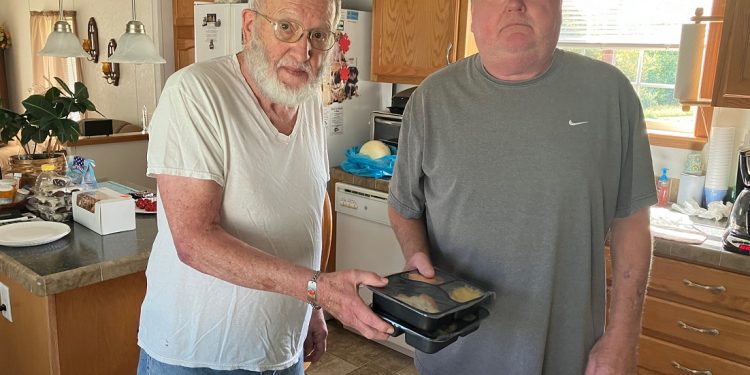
(312, 291)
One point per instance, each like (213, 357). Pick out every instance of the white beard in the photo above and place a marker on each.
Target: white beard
(267, 80)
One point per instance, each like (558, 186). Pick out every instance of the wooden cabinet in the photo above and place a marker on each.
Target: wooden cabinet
(184, 40)
(87, 330)
(414, 38)
(732, 87)
(696, 319)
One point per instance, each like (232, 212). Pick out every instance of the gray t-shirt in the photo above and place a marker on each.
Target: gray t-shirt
(519, 183)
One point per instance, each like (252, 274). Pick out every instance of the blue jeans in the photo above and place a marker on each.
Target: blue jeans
(150, 366)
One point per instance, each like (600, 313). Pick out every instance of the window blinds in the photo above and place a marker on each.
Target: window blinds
(627, 22)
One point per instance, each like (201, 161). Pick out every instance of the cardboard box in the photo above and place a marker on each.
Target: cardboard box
(104, 211)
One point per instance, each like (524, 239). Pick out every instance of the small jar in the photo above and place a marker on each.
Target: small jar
(7, 191)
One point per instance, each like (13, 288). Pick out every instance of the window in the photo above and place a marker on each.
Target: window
(641, 38)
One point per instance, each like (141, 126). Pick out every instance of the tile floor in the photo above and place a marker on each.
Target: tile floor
(350, 354)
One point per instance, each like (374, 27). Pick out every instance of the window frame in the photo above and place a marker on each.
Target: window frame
(698, 137)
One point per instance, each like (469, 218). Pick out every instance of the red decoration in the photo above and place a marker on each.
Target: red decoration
(344, 73)
(344, 43)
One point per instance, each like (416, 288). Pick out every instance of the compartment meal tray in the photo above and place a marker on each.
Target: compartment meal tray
(432, 343)
(385, 300)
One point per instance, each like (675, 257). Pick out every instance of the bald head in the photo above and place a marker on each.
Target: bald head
(267, 6)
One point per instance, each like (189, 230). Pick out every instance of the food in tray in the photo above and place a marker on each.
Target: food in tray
(415, 276)
(464, 293)
(422, 302)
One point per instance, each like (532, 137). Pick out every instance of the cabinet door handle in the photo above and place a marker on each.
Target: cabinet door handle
(691, 371)
(705, 331)
(448, 53)
(713, 289)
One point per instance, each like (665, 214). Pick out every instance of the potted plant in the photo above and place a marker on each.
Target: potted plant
(44, 127)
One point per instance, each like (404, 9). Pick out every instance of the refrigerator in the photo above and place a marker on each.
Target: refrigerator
(218, 29)
(348, 102)
(349, 96)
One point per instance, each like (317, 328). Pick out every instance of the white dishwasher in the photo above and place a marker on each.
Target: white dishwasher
(365, 240)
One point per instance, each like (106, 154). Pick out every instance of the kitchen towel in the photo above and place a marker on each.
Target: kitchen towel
(690, 61)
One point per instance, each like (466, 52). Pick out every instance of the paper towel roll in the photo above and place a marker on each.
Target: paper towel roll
(691, 187)
(690, 61)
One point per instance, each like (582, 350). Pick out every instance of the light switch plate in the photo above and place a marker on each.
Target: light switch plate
(5, 300)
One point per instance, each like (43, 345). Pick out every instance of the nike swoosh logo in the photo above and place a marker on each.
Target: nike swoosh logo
(571, 123)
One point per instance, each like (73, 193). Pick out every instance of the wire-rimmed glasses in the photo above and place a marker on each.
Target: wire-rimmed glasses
(291, 31)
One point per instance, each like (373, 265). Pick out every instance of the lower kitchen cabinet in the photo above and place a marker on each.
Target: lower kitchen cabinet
(87, 330)
(696, 320)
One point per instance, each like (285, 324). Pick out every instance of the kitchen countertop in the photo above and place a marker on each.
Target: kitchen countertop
(709, 253)
(81, 258)
(84, 257)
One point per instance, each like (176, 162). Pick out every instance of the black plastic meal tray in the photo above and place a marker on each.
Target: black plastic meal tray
(429, 344)
(449, 311)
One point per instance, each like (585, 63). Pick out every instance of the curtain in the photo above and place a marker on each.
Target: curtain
(45, 68)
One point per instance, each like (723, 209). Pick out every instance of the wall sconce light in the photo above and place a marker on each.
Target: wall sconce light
(91, 44)
(111, 70)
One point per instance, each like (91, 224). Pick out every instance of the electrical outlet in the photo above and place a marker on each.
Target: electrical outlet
(5, 302)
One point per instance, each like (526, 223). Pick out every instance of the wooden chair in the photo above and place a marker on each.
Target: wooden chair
(327, 238)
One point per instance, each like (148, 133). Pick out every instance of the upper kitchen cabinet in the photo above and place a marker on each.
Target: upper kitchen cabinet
(732, 87)
(413, 38)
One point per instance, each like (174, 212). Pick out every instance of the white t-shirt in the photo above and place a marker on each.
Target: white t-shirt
(208, 125)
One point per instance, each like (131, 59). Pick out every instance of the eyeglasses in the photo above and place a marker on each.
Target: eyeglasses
(290, 32)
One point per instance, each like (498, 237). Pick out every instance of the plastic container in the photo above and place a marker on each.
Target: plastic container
(443, 336)
(51, 199)
(662, 189)
(427, 305)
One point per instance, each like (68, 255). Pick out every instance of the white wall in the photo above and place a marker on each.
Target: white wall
(123, 162)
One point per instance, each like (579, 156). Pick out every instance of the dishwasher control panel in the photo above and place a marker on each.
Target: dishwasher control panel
(363, 203)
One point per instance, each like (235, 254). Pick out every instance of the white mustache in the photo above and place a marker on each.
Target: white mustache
(288, 62)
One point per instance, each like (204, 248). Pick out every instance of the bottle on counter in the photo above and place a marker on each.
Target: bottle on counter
(662, 188)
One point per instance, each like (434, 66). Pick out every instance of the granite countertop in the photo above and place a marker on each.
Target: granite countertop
(81, 258)
(708, 253)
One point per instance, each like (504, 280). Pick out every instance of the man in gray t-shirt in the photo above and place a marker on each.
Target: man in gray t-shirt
(513, 166)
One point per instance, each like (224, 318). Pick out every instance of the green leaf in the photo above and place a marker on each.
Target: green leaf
(52, 94)
(82, 93)
(64, 86)
(39, 107)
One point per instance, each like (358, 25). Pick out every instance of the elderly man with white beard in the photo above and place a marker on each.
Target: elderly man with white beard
(237, 146)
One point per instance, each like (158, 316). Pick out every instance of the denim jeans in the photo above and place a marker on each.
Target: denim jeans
(150, 366)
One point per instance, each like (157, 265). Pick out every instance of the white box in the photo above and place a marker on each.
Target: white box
(104, 210)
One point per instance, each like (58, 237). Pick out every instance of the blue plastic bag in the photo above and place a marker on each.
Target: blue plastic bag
(362, 165)
(81, 172)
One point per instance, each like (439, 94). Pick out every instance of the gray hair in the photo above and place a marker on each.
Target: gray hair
(260, 5)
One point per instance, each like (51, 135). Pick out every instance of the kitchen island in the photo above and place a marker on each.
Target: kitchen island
(75, 302)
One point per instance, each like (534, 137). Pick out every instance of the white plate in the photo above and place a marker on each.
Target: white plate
(32, 233)
(142, 211)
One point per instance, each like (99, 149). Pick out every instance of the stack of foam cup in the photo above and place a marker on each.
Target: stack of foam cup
(720, 157)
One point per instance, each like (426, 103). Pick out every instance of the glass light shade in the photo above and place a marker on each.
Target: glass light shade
(135, 47)
(62, 42)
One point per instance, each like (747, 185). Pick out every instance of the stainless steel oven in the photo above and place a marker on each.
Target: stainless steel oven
(385, 126)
